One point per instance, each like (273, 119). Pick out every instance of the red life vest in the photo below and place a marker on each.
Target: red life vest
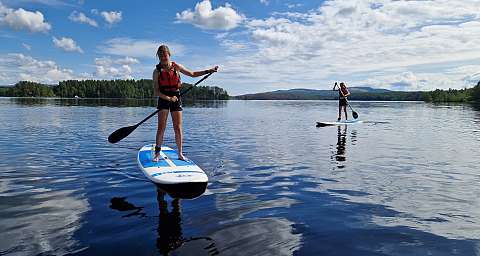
(344, 92)
(168, 80)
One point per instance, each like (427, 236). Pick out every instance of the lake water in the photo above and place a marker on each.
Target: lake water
(406, 182)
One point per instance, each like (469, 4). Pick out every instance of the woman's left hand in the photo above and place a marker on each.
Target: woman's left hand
(213, 70)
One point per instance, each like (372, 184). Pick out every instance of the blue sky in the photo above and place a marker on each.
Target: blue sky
(260, 45)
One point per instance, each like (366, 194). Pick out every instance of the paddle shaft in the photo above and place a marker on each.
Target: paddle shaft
(203, 78)
(123, 132)
(354, 114)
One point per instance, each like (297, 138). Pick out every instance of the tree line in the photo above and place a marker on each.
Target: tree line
(388, 96)
(454, 95)
(139, 89)
(142, 89)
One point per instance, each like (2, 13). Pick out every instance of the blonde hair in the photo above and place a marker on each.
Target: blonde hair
(163, 48)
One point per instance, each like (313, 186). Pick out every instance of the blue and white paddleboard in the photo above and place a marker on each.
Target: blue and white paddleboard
(339, 123)
(169, 170)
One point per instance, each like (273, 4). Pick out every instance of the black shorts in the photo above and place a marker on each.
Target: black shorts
(342, 102)
(172, 106)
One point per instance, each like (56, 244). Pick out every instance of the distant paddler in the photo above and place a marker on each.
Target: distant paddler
(342, 99)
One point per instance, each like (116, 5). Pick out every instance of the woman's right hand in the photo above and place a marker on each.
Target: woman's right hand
(173, 99)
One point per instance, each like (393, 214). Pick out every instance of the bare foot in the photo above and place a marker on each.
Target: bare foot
(156, 157)
(181, 157)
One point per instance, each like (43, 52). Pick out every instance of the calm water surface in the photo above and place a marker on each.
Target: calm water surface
(406, 182)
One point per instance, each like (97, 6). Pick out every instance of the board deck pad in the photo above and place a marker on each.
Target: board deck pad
(169, 169)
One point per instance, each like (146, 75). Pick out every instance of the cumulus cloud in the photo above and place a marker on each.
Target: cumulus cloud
(112, 17)
(222, 18)
(440, 78)
(55, 3)
(22, 67)
(109, 68)
(265, 2)
(290, 6)
(80, 17)
(137, 47)
(67, 44)
(21, 19)
(355, 40)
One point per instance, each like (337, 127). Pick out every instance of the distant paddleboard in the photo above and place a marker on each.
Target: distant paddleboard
(320, 124)
(169, 169)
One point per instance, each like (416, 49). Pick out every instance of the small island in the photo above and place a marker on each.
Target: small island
(114, 89)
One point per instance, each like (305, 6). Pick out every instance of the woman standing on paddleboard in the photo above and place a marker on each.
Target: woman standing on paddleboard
(166, 83)
(342, 99)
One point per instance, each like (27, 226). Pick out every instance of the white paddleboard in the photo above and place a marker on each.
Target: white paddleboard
(169, 169)
(346, 122)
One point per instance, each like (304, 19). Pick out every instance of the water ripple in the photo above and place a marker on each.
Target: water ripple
(403, 183)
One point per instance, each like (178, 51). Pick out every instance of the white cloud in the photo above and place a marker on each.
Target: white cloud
(223, 18)
(440, 78)
(137, 47)
(80, 17)
(45, 2)
(112, 17)
(67, 44)
(265, 2)
(290, 6)
(27, 46)
(21, 19)
(22, 67)
(108, 68)
(353, 41)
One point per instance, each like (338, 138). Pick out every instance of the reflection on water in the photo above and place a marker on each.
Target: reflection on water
(120, 204)
(341, 141)
(405, 182)
(169, 229)
(35, 220)
(169, 225)
(94, 102)
(340, 152)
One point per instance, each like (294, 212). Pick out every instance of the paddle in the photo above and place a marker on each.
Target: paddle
(123, 132)
(354, 114)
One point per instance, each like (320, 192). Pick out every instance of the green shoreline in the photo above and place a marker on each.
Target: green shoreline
(142, 89)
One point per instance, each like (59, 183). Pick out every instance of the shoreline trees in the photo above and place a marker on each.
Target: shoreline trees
(138, 89)
(143, 89)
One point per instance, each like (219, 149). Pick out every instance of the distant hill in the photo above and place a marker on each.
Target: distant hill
(358, 93)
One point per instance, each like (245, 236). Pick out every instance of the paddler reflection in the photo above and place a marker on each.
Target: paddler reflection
(169, 230)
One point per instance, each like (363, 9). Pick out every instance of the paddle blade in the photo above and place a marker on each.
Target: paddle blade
(121, 133)
(355, 115)
(322, 124)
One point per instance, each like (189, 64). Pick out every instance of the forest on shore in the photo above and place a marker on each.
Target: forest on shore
(142, 89)
(454, 95)
(134, 89)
